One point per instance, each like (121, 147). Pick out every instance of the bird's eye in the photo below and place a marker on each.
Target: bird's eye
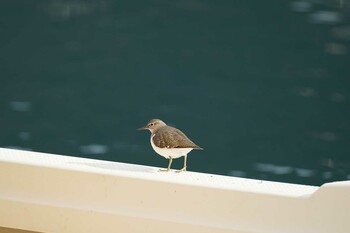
(151, 124)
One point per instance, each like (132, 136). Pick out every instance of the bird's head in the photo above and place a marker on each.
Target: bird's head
(153, 125)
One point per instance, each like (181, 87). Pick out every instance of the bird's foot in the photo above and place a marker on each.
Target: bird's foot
(181, 170)
(164, 170)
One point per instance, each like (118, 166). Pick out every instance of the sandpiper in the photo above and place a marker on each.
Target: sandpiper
(169, 142)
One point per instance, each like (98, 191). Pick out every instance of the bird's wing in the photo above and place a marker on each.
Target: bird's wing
(170, 137)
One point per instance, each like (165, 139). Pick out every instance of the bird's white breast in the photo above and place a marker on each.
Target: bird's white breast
(170, 152)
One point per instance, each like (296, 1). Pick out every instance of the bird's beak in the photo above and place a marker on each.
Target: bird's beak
(143, 128)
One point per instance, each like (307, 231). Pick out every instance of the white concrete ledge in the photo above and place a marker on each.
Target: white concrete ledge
(53, 193)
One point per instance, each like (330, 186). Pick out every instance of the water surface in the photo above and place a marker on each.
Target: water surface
(264, 87)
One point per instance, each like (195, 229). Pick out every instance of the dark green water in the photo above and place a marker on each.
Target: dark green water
(263, 86)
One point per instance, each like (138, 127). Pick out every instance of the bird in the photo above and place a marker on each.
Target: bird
(169, 142)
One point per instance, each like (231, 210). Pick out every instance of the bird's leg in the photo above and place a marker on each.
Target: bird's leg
(170, 161)
(166, 170)
(185, 165)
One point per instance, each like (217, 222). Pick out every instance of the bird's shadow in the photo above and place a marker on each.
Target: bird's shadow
(118, 166)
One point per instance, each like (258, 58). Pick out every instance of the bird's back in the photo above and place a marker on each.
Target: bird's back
(170, 137)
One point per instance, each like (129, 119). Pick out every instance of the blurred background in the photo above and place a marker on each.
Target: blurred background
(262, 86)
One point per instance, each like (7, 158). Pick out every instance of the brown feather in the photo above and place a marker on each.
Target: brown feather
(170, 137)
